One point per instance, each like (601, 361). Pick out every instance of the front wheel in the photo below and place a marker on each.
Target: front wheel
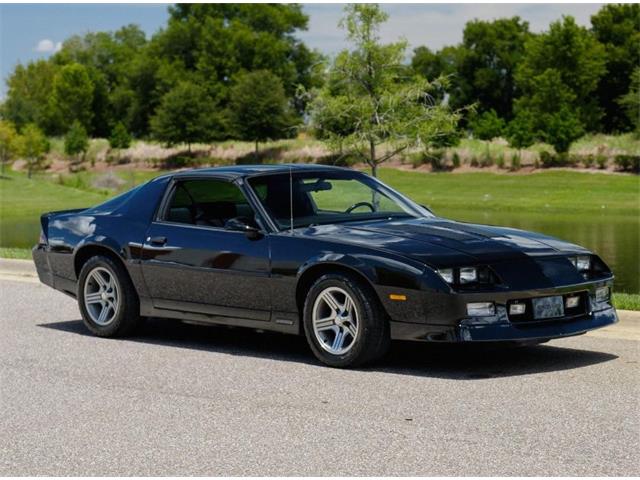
(344, 322)
(107, 298)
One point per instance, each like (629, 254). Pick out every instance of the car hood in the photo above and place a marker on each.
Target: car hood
(439, 242)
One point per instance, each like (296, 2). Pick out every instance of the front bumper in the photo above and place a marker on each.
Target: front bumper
(460, 328)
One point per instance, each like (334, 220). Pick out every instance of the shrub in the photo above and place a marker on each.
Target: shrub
(601, 160)
(588, 161)
(515, 162)
(455, 160)
(418, 158)
(550, 160)
(628, 163)
(474, 161)
(488, 125)
(487, 159)
(437, 160)
(500, 161)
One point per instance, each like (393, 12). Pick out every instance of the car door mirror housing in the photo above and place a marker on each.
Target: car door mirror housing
(243, 224)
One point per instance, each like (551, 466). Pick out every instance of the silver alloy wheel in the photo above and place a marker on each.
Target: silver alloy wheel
(335, 320)
(101, 296)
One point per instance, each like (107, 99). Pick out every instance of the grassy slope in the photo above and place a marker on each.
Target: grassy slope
(22, 198)
(550, 192)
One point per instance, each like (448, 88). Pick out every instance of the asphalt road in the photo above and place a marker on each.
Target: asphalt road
(187, 400)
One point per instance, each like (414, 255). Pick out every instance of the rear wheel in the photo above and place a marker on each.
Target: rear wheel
(344, 322)
(107, 298)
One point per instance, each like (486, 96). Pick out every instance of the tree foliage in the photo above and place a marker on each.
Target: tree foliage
(630, 102)
(258, 108)
(76, 143)
(488, 125)
(28, 91)
(374, 99)
(577, 61)
(72, 96)
(617, 27)
(32, 145)
(8, 143)
(550, 112)
(120, 137)
(186, 115)
(487, 61)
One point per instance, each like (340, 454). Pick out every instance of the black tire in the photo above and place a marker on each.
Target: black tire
(127, 316)
(372, 340)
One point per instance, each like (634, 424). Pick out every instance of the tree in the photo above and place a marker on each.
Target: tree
(72, 96)
(76, 143)
(186, 115)
(32, 145)
(214, 43)
(617, 27)
(486, 64)
(550, 112)
(521, 131)
(258, 108)
(630, 101)
(381, 103)
(28, 90)
(488, 125)
(8, 143)
(433, 65)
(577, 61)
(119, 139)
(108, 57)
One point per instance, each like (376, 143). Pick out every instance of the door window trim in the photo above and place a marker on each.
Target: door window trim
(163, 206)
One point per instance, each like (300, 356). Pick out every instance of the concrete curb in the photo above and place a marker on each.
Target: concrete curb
(22, 268)
(26, 269)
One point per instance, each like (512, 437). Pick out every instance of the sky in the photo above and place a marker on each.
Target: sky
(31, 31)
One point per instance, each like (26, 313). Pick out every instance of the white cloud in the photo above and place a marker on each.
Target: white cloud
(47, 46)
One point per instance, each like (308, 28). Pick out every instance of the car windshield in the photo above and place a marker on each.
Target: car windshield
(330, 197)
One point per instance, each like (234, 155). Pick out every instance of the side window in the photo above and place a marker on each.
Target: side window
(207, 202)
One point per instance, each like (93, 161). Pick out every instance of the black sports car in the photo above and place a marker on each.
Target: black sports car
(324, 251)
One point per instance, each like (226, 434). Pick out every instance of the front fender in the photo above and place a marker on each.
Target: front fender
(398, 284)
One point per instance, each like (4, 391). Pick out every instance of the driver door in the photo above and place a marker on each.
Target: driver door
(192, 263)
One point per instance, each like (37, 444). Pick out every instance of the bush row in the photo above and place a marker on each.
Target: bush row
(441, 160)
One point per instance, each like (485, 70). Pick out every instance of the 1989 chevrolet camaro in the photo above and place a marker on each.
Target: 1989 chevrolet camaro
(327, 252)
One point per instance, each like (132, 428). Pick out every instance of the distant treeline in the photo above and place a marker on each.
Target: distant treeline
(219, 71)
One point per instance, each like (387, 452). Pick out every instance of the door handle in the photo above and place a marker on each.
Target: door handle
(157, 240)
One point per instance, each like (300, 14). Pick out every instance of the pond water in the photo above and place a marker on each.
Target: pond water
(615, 238)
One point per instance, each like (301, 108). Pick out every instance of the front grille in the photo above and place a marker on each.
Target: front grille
(527, 318)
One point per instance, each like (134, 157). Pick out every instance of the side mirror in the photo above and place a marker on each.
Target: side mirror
(242, 224)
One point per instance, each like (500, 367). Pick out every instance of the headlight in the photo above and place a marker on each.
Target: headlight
(581, 262)
(468, 276)
(446, 274)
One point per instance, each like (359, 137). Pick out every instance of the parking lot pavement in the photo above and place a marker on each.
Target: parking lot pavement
(180, 399)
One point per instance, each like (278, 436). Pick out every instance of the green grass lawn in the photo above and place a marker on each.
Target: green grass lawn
(21, 198)
(571, 192)
(627, 301)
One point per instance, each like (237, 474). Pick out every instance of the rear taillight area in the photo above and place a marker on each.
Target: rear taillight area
(42, 240)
